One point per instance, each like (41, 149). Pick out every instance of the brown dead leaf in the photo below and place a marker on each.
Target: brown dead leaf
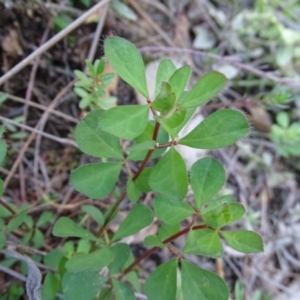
(11, 45)
(261, 119)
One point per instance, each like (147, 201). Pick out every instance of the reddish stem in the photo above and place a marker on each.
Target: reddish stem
(146, 159)
(152, 250)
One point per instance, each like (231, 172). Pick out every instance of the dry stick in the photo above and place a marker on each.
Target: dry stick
(47, 135)
(32, 136)
(43, 122)
(25, 111)
(41, 125)
(52, 42)
(97, 34)
(42, 107)
(151, 23)
(281, 80)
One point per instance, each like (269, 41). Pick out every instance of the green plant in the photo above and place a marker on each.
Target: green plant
(286, 135)
(239, 293)
(91, 87)
(94, 263)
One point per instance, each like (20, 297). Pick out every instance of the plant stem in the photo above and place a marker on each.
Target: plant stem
(147, 157)
(154, 249)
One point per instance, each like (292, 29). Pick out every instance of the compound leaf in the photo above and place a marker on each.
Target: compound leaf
(204, 242)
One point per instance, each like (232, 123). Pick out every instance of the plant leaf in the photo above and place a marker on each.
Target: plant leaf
(167, 230)
(196, 243)
(147, 145)
(94, 261)
(126, 121)
(65, 227)
(223, 214)
(161, 284)
(82, 285)
(201, 284)
(245, 241)
(127, 61)
(96, 180)
(16, 221)
(169, 176)
(154, 241)
(179, 80)
(207, 87)
(2, 150)
(218, 130)
(122, 291)
(165, 70)
(172, 121)
(138, 218)
(121, 253)
(171, 212)
(94, 213)
(214, 203)
(207, 177)
(142, 182)
(133, 191)
(165, 100)
(95, 142)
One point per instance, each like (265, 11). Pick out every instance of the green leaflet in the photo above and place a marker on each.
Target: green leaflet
(205, 242)
(96, 180)
(82, 285)
(179, 80)
(122, 290)
(161, 284)
(95, 142)
(169, 176)
(126, 121)
(170, 211)
(165, 70)
(138, 218)
(220, 129)
(201, 284)
(207, 177)
(65, 227)
(127, 61)
(94, 261)
(245, 241)
(207, 87)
